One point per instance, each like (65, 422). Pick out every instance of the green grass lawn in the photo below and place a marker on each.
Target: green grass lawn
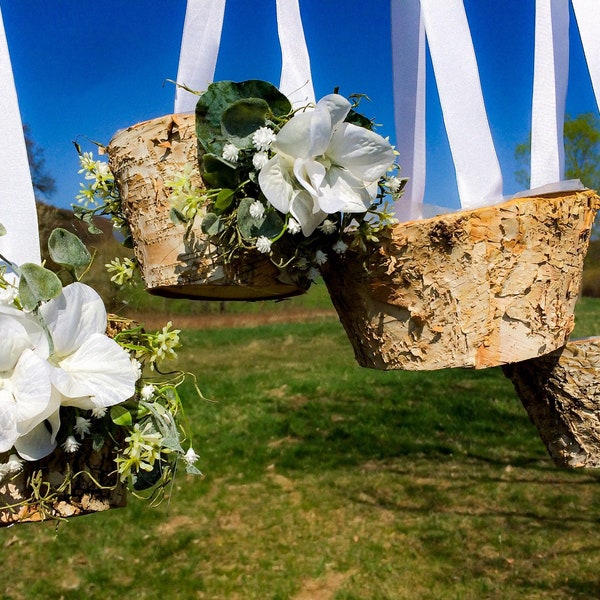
(327, 481)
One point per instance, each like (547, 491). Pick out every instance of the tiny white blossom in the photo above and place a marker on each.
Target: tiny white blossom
(340, 247)
(99, 411)
(394, 183)
(263, 244)
(190, 457)
(8, 294)
(230, 153)
(257, 210)
(327, 227)
(147, 391)
(293, 226)
(137, 367)
(12, 466)
(320, 257)
(313, 274)
(259, 160)
(263, 138)
(71, 444)
(82, 426)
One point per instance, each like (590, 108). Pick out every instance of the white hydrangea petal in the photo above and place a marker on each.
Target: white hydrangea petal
(276, 183)
(73, 316)
(303, 210)
(99, 373)
(345, 193)
(337, 106)
(310, 174)
(364, 153)
(293, 139)
(40, 441)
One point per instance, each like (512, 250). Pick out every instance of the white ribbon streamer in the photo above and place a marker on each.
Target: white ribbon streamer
(478, 174)
(550, 78)
(587, 13)
(296, 80)
(17, 199)
(408, 63)
(199, 50)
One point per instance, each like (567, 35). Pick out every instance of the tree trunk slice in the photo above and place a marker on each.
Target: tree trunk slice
(50, 475)
(475, 288)
(142, 158)
(561, 393)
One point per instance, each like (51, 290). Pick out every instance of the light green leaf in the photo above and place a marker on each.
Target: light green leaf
(67, 250)
(121, 416)
(2, 230)
(36, 285)
(224, 200)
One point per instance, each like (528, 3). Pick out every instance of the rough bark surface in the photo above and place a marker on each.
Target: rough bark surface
(561, 393)
(142, 158)
(49, 477)
(474, 288)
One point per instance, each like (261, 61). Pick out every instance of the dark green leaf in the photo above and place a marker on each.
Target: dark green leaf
(211, 224)
(269, 225)
(177, 217)
(244, 117)
(218, 173)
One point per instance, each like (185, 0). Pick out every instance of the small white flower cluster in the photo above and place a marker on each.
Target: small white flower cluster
(122, 271)
(102, 181)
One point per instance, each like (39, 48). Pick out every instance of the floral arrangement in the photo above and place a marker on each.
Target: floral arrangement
(290, 184)
(65, 383)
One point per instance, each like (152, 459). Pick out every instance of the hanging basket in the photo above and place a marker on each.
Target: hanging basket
(561, 393)
(175, 262)
(474, 288)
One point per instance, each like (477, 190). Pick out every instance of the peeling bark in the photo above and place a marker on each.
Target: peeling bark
(142, 158)
(561, 393)
(475, 288)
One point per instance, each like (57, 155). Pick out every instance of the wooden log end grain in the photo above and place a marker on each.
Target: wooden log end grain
(475, 288)
(561, 393)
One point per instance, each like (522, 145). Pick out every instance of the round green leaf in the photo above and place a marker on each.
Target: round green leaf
(244, 117)
(37, 285)
(67, 249)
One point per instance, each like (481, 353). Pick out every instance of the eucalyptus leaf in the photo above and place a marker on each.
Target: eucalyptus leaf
(244, 117)
(177, 217)
(2, 230)
(36, 285)
(121, 416)
(218, 173)
(67, 250)
(220, 95)
(247, 224)
(211, 224)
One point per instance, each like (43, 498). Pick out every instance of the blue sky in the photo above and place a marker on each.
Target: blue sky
(86, 70)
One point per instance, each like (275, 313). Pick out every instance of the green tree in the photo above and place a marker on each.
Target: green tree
(44, 184)
(582, 152)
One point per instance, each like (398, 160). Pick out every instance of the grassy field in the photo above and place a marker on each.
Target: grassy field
(327, 481)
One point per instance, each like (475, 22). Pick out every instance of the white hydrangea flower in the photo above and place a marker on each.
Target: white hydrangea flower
(70, 444)
(263, 244)
(98, 412)
(320, 257)
(257, 210)
(293, 226)
(327, 227)
(82, 426)
(231, 153)
(324, 165)
(340, 247)
(262, 138)
(259, 160)
(190, 457)
(147, 391)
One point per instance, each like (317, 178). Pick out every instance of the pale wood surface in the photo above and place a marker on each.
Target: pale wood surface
(474, 288)
(142, 158)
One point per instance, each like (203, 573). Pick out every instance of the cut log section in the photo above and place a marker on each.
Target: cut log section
(176, 263)
(475, 288)
(561, 393)
(62, 485)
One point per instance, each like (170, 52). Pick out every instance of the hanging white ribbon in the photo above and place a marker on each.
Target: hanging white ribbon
(200, 48)
(587, 13)
(550, 78)
(478, 174)
(408, 63)
(296, 79)
(17, 199)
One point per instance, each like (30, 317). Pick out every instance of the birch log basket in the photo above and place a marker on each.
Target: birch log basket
(561, 393)
(176, 262)
(476, 288)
